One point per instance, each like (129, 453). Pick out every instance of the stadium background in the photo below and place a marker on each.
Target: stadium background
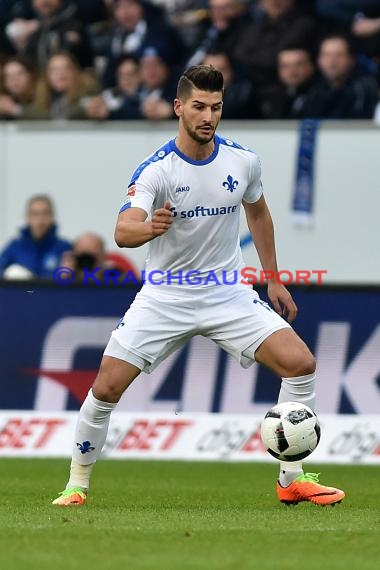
(221, 512)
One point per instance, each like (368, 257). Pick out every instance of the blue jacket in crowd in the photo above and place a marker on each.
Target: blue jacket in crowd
(41, 256)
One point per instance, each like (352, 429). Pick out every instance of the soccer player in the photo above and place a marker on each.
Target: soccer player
(193, 187)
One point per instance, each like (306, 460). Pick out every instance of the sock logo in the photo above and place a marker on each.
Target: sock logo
(85, 447)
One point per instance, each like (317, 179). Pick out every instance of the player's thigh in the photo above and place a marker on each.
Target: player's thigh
(113, 379)
(286, 354)
(153, 326)
(240, 322)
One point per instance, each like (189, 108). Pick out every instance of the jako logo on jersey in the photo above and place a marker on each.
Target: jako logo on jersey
(85, 447)
(183, 189)
(230, 183)
(201, 211)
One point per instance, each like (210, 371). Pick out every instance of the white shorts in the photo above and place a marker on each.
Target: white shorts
(162, 319)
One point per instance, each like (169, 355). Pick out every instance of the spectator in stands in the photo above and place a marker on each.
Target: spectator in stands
(341, 14)
(228, 20)
(366, 32)
(122, 101)
(280, 25)
(19, 32)
(19, 82)
(6, 47)
(139, 24)
(96, 15)
(89, 255)
(191, 19)
(55, 27)
(158, 85)
(343, 92)
(87, 11)
(91, 11)
(360, 19)
(3, 59)
(14, 24)
(239, 101)
(11, 10)
(38, 250)
(62, 93)
(286, 100)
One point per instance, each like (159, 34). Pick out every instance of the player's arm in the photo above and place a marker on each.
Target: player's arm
(260, 225)
(133, 229)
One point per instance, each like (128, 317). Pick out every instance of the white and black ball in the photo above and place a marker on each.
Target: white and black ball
(290, 431)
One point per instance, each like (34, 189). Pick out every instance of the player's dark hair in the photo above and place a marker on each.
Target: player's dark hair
(202, 77)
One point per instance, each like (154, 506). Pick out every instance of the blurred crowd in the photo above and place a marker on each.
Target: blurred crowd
(38, 251)
(121, 59)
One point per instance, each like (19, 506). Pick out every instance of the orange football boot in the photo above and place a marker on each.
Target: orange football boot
(306, 487)
(71, 497)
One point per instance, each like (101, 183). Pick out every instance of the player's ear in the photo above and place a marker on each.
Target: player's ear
(178, 107)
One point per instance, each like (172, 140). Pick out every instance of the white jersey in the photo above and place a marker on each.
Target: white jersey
(206, 197)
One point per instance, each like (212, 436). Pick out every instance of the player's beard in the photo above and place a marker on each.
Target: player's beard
(196, 134)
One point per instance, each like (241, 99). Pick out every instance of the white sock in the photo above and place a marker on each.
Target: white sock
(298, 389)
(90, 435)
(79, 475)
(289, 471)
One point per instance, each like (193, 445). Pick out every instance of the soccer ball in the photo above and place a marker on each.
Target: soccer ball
(290, 431)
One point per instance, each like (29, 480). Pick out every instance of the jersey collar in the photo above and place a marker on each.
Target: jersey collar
(214, 154)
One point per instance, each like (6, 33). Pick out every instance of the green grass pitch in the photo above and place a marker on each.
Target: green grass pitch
(186, 516)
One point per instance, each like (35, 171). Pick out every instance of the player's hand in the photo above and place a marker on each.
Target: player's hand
(162, 219)
(282, 301)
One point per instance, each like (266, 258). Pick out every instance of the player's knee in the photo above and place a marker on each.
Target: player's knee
(113, 379)
(307, 366)
(303, 365)
(299, 364)
(105, 390)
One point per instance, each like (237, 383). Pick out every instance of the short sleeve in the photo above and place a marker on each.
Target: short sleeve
(255, 187)
(142, 190)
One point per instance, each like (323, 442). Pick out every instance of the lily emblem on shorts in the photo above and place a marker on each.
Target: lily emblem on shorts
(230, 183)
